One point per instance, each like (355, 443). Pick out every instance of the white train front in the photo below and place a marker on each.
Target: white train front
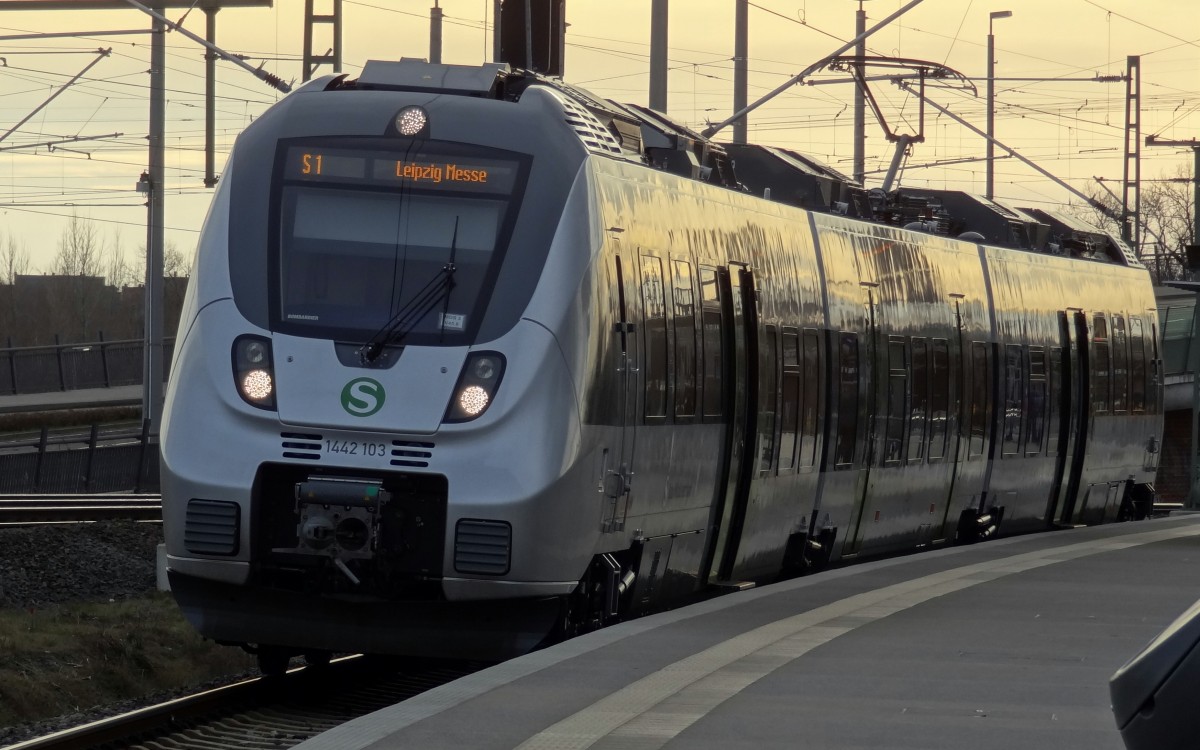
(463, 364)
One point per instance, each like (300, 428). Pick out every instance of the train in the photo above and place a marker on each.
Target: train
(471, 358)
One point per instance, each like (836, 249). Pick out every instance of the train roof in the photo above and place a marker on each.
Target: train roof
(638, 134)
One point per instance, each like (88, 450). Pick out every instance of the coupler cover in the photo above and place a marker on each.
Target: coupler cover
(339, 518)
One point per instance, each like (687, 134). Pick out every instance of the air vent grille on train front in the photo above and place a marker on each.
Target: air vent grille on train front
(212, 527)
(588, 127)
(301, 445)
(411, 453)
(482, 546)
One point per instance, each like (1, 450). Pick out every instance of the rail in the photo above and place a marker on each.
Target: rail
(250, 713)
(66, 367)
(21, 510)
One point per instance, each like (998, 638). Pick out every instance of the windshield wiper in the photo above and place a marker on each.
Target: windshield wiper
(422, 303)
(452, 267)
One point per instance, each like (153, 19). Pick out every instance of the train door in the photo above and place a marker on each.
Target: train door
(1156, 382)
(950, 390)
(739, 319)
(1154, 391)
(1073, 406)
(864, 361)
(619, 476)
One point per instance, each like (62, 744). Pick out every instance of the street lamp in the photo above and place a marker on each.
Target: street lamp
(991, 99)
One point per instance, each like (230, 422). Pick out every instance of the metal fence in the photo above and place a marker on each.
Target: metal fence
(74, 461)
(65, 367)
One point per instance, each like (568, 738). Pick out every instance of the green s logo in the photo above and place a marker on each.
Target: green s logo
(362, 397)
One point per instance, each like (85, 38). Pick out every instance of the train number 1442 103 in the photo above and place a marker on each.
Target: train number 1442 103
(355, 448)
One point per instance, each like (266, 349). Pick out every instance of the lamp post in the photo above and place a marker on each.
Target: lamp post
(991, 99)
(860, 101)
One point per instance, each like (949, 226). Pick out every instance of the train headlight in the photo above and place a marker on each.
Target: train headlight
(253, 371)
(257, 385)
(476, 387)
(473, 400)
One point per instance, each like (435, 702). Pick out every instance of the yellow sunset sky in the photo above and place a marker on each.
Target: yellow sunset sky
(1073, 128)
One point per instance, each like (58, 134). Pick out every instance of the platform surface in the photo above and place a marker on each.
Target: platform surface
(84, 398)
(1007, 644)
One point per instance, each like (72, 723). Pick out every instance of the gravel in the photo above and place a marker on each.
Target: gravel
(57, 564)
(41, 565)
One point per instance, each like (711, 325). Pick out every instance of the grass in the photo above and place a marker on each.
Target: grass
(70, 658)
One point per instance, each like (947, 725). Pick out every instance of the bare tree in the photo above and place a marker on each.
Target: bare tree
(79, 250)
(119, 271)
(14, 260)
(176, 265)
(80, 260)
(1167, 223)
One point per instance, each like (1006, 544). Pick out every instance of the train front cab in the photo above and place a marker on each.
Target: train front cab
(291, 274)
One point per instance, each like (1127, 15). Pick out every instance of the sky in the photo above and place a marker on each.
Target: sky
(1062, 119)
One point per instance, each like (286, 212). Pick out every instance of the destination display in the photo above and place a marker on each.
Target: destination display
(425, 170)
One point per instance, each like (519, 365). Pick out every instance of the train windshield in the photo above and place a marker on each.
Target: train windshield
(367, 238)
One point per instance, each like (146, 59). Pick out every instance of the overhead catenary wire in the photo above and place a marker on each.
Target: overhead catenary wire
(805, 119)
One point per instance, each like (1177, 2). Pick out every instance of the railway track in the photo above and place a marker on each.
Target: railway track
(275, 713)
(22, 510)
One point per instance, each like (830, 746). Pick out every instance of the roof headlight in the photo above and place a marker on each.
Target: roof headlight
(412, 120)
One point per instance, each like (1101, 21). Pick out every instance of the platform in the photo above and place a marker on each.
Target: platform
(1006, 644)
(86, 398)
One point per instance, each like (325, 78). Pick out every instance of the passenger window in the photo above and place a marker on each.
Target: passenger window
(847, 399)
(808, 410)
(768, 360)
(939, 403)
(1120, 357)
(1035, 429)
(1137, 366)
(1014, 394)
(1100, 365)
(979, 397)
(893, 449)
(685, 340)
(654, 361)
(710, 319)
(920, 400)
(790, 409)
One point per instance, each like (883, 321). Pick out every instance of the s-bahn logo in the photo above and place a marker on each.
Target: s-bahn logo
(362, 397)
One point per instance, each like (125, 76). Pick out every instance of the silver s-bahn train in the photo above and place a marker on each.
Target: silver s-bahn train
(470, 356)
